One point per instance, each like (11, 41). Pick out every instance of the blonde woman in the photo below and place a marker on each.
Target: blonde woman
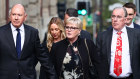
(55, 34)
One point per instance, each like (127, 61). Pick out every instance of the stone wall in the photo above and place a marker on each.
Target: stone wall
(2, 12)
(49, 10)
(72, 3)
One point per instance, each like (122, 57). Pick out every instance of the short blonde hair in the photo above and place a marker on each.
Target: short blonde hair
(76, 21)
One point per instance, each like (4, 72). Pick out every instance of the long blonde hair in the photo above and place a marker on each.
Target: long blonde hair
(59, 23)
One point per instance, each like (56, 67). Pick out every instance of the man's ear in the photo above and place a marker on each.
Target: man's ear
(25, 17)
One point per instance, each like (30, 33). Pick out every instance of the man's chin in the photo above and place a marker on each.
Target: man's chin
(16, 25)
(128, 23)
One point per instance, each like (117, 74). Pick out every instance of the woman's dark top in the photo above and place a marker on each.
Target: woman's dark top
(59, 52)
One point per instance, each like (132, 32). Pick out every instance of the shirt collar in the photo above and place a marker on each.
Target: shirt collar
(123, 30)
(131, 25)
(14, 28)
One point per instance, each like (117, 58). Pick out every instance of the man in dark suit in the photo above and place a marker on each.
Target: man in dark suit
(19, 46)
(119, 49)
(71, 12)
(131, 14)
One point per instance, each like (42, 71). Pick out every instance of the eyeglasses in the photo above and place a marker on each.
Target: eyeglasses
(71, 28)
(118, 17)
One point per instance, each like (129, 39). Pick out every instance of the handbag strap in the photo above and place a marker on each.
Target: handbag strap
(90, 63)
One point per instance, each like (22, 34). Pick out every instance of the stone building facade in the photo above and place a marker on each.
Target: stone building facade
(2, 12)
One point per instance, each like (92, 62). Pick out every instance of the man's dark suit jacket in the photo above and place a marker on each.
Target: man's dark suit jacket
(135, 26)
(104, 49)
(11, 66)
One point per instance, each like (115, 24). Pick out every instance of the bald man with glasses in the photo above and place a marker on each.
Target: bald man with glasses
(118, 48)
(131, 14)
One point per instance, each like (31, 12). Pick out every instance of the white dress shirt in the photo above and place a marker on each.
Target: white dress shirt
(131, 25)
(14, 32)
(126, 64)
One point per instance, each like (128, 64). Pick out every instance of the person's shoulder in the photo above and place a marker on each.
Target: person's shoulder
(106, 31)
(83, 39)
(110, 27)
(89, 41)
(104, 34)
(137, 30)
(85, 34)
(60, 45)
(136, 26)
(5, 26)
(62, 42)
(133, 30)
(2, 27)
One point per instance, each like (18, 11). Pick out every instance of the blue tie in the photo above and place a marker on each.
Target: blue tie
(18, 43)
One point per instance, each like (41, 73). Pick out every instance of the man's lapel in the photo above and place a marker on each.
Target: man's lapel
(26, 39)
(10, 39)
(130, 40)
(108, 43)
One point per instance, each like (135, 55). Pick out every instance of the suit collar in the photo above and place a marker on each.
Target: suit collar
(10, 40)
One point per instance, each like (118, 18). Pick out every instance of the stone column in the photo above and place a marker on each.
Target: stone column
(2, 12)
(49, 10)
(53, 8)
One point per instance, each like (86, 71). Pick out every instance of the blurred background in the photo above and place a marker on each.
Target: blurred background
(95, 14)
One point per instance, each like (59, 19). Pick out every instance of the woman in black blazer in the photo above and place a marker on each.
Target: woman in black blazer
(55, 33)
(70, 56)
